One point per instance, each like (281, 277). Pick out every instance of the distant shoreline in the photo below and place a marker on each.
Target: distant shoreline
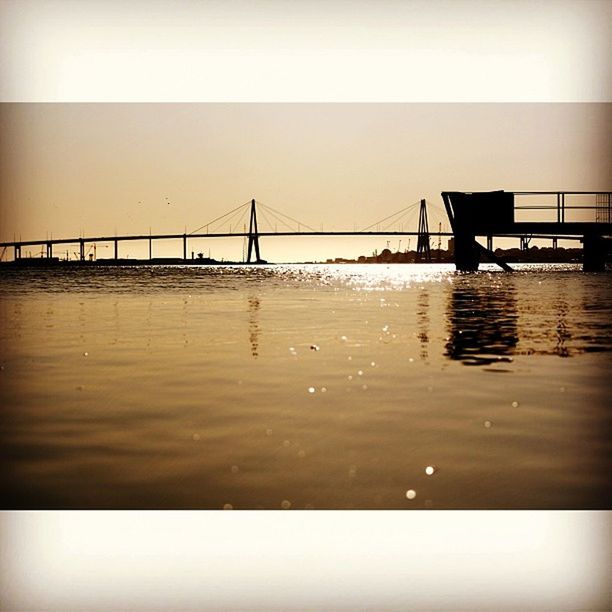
(44, 262)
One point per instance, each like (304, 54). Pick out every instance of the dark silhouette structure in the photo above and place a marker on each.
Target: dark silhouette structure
(423, 246)
(493, 214)
(253, 235)
(470, 214)
(279, 223)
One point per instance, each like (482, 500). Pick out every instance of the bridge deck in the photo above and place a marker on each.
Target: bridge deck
(533, 229)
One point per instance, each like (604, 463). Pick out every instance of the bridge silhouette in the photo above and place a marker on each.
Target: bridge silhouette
(231, 223)
(470, 214)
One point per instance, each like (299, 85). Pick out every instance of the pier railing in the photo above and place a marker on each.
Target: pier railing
(563, 206)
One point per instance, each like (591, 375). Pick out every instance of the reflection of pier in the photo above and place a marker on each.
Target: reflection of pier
(489, 322)
(584, 215)
(482, 325)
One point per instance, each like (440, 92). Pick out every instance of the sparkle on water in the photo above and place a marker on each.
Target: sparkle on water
(196, 376)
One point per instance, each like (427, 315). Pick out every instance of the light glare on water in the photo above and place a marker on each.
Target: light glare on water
(298, 387)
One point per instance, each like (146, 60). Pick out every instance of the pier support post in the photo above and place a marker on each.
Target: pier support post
(594, 253)
(467, 253)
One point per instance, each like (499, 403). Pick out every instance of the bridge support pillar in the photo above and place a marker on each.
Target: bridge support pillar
(150, 249)
(116, 249)
(49, 250)
(82, 249)
(17, 252)
(490, 243)
(185, 247)
(594, 253)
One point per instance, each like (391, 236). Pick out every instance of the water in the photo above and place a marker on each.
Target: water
(293, 387)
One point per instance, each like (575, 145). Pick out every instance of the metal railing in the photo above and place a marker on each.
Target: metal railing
(592, 206)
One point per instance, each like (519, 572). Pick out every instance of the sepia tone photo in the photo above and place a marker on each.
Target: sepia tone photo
(305, 306)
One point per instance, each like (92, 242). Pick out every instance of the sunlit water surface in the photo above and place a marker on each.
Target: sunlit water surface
(401, 386)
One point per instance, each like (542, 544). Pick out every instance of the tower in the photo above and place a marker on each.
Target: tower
(253, 235)
(423, 247)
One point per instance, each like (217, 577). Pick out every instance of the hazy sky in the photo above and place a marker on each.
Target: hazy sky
(106, 168)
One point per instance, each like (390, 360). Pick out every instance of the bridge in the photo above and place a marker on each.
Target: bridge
(471, 215)
(233, 224)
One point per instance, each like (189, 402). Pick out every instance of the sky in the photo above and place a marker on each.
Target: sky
(73, 169)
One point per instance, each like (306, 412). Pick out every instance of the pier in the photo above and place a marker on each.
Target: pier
(581, 215)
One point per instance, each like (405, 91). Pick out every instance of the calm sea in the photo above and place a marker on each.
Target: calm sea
(305, 386)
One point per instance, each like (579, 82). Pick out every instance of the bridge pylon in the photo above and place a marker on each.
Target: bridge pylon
(253, 235)
(423, 246)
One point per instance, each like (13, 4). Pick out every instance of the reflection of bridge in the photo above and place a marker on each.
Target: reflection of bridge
(236, 219)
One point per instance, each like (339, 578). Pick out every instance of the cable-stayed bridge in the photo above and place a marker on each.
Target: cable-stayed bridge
(251, 221)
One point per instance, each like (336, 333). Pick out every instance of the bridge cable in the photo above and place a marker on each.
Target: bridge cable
(275, 216)
(408, 214)
(270, 209)
(236, 217)
(242, 216)
(218, 218)
(365, 229)
(263, 214)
